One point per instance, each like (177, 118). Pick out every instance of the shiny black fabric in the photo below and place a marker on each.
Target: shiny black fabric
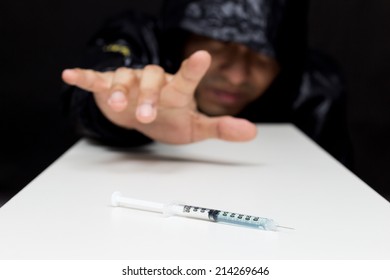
(308, 91)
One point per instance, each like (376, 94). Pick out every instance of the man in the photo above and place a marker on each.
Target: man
(205, 69)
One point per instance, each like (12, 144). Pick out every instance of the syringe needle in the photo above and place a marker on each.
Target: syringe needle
(285, 227)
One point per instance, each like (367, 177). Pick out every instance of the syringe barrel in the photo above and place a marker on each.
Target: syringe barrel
(187, 211)
(220, 216)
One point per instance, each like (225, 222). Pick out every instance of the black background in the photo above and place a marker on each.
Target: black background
(40, 38)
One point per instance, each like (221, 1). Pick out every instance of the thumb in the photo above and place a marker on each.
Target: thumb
(224, 128)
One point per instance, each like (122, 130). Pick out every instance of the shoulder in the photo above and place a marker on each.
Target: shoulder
(133, 35)
(130, 19)
(321, 80)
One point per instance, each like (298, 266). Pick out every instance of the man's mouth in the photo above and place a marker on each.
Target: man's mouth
(226, 97)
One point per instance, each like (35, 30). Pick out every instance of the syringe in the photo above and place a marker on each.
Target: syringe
(195, 212)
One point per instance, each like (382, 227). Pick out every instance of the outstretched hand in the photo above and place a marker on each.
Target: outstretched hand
(159, 105)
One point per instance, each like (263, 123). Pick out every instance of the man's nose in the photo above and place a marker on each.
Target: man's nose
(236, 71)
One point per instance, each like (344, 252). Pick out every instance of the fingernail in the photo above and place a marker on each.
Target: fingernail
(145, 110)
(117, 97)
(117, 101)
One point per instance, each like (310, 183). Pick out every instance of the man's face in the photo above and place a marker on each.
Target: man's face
(236, 77)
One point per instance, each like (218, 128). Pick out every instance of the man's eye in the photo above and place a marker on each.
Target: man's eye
(217, 47)
(262, 60)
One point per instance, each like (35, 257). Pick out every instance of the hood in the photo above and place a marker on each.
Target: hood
(262, 25)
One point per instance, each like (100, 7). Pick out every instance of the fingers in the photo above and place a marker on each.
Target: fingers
(224, 128)
(99, 83)
(122, 82)
(152, 81)
(141, 87)
(88, 80)
(117, 89)
(185, 81)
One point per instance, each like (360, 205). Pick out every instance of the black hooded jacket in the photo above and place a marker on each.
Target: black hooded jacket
(308, 91)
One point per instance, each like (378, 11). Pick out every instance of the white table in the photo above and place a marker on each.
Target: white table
(65, 212)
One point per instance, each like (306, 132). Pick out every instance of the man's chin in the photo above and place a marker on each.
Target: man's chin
(215, 111)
